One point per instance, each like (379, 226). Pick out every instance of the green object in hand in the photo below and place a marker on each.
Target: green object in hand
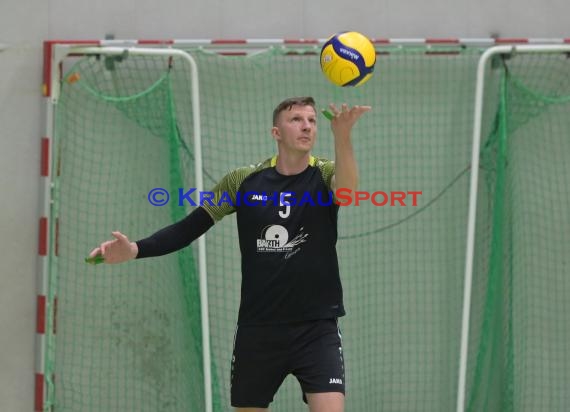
(327, 114)
(95, 260)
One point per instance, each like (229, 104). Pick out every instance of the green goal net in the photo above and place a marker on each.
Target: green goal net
(129, 338)
(521, 284)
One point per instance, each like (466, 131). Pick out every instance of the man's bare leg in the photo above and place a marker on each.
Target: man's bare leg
(326, 402)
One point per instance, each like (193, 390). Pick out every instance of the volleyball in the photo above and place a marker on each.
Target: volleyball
(348, 59)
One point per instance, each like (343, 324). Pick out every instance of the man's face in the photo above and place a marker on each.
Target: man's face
(296, 129)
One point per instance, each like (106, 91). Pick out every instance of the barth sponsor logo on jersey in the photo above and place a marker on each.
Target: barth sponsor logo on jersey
(275, 238)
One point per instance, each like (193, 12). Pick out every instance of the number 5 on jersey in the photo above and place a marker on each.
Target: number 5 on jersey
(284, 201)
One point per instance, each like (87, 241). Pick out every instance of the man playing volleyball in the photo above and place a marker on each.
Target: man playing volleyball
(291, 294)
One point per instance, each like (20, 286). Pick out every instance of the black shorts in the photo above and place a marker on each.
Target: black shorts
(264, 355)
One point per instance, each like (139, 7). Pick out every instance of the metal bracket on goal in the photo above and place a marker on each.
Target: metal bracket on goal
(111, 60)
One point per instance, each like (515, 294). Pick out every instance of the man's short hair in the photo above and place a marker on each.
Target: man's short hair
(290, 102)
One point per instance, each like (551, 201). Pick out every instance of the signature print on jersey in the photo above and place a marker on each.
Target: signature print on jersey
(275, 238)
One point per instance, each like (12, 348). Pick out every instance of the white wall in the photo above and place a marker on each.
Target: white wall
(24, 24)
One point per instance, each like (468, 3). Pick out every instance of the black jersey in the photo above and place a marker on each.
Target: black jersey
(287, 232)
